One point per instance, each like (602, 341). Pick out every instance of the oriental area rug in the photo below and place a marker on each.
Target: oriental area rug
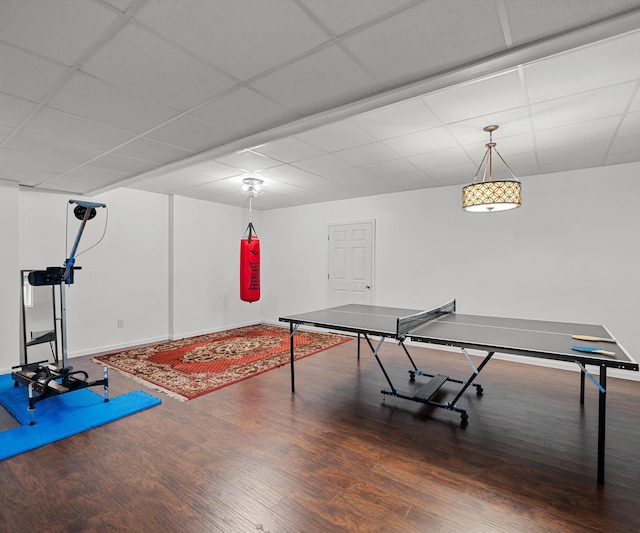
(190, 367)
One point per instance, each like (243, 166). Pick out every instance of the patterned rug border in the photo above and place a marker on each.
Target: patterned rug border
(98, 359)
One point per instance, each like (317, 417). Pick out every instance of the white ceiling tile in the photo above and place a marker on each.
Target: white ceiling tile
(330, 193)
(73, 129)
(339, 16)
(58, 30)
(190, 134)
(375, 186)
(635, 103)
(213, 169)
(323, 164)
(422, 142)
(328, 78)
(13, 110)
(461, 173)
(292, 198)
(98, 101)
(122, 5)
(594, 130)
(398, 119)
(95, 173)
(427, 39)
(626, 157)
(225, 186)
(288, 150)
(275, 186)
(482, 97)
(8, 180)
(511, 122)
(410, 181)
(570, 164)
(585, 151)
(25, 75)
(13, 163)
(121, 163)
(51, 147)
(367, 153)
(336, 136)
(243, 38)
(394, 167)
(158, 70)
(353, 177)
(172, 182)
(28, 176)
(588, 105)
(290, 174)
(5, 132)
(594, 66)
(166, 71)
(506, 146)
(534, 20)
(524, 172)
(153, 151)
(249, 161)
(630, 124)
(79, 184)
(521, 163)
(244, 111)
(627, 144)
(441, 158)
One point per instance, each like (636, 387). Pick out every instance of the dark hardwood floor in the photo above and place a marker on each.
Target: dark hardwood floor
(334, 457)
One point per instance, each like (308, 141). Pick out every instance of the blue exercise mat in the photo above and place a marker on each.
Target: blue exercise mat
(61, 416)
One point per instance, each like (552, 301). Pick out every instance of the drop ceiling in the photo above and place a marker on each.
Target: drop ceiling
(322, 99)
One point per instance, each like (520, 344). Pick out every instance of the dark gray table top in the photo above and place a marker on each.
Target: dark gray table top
(530, 338)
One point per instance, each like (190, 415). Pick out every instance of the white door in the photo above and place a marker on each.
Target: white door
(350, 263)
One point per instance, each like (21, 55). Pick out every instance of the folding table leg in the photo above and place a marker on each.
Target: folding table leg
(602, 414)
(602, 417)
(292, 331)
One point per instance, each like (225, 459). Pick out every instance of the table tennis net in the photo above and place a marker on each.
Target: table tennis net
(406, 324)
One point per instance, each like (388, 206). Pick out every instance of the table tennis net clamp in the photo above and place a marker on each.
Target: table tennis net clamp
(427, 392)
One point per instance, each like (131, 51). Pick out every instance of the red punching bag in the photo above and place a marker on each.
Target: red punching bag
(250, 267)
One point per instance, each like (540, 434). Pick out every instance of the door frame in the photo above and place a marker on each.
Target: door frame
(371, 221)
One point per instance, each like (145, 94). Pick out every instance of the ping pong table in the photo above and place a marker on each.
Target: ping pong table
(582, 344)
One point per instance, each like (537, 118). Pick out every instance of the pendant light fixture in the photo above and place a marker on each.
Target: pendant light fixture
(491, 195)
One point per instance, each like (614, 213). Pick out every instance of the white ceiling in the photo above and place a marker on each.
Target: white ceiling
(323, 99)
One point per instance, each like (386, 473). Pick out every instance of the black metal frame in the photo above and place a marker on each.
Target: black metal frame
(51, 337)
(581, 362)
(47, 380)
(439, 380)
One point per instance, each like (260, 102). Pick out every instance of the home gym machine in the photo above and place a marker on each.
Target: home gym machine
(47, 380)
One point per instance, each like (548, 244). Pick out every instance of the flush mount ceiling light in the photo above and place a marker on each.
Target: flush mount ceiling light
(252, 187)
(491, 195)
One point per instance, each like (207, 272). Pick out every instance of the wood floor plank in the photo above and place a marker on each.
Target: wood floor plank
(339, 456)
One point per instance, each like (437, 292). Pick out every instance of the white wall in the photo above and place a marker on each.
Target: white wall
(569, 254)
(10, 276)
(206, 267)
(169, 266)
(125, 276)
